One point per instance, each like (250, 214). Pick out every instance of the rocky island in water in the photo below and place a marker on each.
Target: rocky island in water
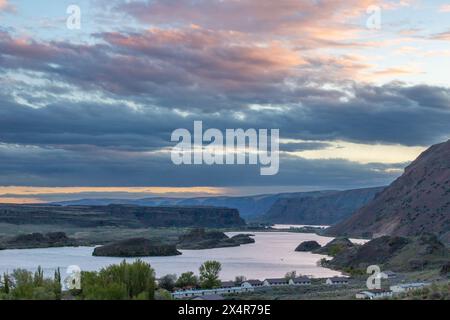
(137, 247)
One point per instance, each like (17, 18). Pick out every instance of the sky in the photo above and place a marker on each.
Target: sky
(358, 89)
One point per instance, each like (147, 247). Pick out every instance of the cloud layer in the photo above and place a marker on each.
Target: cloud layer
(99, 111)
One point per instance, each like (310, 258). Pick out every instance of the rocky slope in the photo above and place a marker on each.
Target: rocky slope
(394, 253)
(417, 202)
(323, 209)
(335, 247)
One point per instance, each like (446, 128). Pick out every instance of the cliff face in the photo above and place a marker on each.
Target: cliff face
(322, 209)
(121, 216)
(38, 240)
(249, 207)
(417, 202)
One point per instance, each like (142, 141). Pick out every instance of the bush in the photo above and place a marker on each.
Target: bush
(187, 279)
(23, 285)
(209, 274)
(119, 282)
(168, 282)
(162, 294)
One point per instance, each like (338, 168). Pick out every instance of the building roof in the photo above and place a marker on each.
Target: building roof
(253, 282)
(375, 292)
(411, 285)
(277, 280)
(227, 284)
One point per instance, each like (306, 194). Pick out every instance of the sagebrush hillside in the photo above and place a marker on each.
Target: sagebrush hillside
(417, 202)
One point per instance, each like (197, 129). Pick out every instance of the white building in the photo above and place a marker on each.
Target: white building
(374, 294)
(300, 281)
(337, 281)
(276, 282)
(184, 294)
(252, 284)
(401, 288)
(390, 274)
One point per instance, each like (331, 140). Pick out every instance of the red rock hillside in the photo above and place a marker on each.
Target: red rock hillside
(417, 202)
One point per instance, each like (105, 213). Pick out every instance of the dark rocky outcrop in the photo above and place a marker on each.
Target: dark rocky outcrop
(417, 202)
(395, 253)
(38, 240)
(308, 246)
(335, 246)
(120, 216)
(200, 239)
(137, 247)
(243, 239)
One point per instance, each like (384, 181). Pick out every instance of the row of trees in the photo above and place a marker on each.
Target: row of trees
(208, 279)
(135, 281)
(24, 285)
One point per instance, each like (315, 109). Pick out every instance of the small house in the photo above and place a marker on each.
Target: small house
(337, 281)
(251, 284)
(374, 294)
(300, 281)
(400, 288)
(276, 282)
(210, 297)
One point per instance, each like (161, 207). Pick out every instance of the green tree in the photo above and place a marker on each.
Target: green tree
(187, 279)
(57, 284)
(209, 274)
(119, 282)
(38, 277)
(240, 279)
(168, 282)
(162, 294)
(23, 284)
(6, 284)
(290, 275)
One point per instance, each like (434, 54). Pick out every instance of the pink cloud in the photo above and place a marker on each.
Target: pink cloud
(6, 6)
(445, 8)
(284, 17)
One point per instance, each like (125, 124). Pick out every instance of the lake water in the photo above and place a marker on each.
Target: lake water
(271, 256)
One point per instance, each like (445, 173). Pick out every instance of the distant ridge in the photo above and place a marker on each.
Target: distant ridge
(248, 206)
(323, 209)
(121, 216)
(315, 207)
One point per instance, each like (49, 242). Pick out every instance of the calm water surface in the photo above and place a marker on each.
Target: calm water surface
(271, 256)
